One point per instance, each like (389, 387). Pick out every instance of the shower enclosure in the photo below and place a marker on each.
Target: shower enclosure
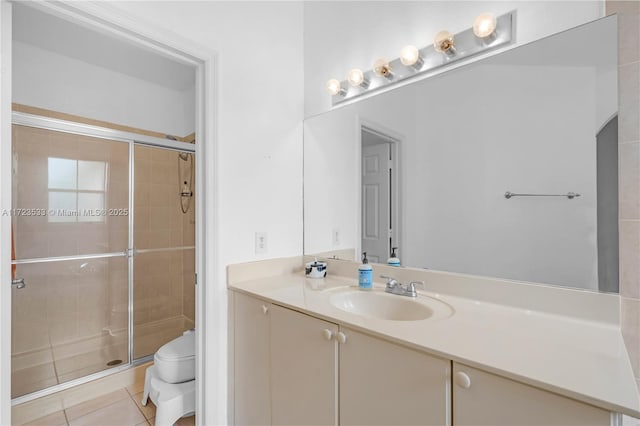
(103, 269)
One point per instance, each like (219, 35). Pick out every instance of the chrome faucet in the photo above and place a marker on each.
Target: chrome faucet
(395, 287)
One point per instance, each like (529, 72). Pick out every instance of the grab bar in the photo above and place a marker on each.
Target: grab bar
(569, 195)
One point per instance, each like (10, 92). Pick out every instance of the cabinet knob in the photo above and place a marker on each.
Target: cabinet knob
(341, 337)
(265, 309)
(462, 379)
(327, 334)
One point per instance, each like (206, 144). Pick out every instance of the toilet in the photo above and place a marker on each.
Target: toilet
(170, 382)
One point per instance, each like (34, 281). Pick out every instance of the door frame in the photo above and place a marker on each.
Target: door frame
(211, 330)
(396, 140)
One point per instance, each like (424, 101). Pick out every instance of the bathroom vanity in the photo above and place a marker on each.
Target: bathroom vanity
(300, 356)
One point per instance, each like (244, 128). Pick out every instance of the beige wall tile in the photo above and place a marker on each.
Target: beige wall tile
(164, 194)
(631, 330)
(630, 258)
(164, 172)
(629, 40)
(160, 239)
(628, 91)
(622, 6)
(629, 180)
(141, 194)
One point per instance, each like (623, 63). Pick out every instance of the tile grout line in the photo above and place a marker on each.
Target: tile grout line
(66, 419)
(90, 412)
(139, 409)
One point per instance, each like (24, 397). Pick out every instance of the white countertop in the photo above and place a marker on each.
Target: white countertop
(579, 358)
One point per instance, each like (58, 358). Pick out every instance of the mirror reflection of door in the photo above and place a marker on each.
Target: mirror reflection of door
(379, 165)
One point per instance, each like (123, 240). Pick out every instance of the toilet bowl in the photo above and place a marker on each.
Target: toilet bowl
(175, 361)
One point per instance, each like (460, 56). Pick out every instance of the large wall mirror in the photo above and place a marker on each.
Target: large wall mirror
(426, 167)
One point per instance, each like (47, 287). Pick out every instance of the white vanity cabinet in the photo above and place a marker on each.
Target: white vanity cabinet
(481, 398)
(304, 369)
(252, 372)
(286, 373)
(382, 383)
(294, 369)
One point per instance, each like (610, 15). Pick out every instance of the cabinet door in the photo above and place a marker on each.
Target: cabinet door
(303, 369)
(481, 398)
(382, 383)
(251, 355)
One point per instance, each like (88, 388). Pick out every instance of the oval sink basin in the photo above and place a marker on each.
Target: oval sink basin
(381, 305)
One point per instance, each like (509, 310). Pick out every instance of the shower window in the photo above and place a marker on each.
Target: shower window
(77, 190)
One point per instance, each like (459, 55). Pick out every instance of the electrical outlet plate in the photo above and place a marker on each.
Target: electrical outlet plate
(335, 237)
(261, 242)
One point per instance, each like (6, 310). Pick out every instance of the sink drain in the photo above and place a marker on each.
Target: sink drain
(114, 362)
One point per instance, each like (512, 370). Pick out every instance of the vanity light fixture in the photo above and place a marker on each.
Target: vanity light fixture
(484, 26)
(410, 57)
(443, 42)
(334, 87)
(381, 68)
(355, 77)
(488, 32)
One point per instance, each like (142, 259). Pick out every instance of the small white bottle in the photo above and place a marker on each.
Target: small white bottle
(393, 260)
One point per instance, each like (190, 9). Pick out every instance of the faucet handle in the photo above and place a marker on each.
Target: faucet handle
(391, 282)
(411, 288)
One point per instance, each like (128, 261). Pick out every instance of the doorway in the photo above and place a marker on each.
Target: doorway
(104, 244)
(203, 61)
(379, 194)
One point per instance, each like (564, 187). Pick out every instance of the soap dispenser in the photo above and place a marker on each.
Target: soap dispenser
(393, 260)
(365, 274)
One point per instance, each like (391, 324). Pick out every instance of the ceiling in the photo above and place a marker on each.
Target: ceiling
(48, 32)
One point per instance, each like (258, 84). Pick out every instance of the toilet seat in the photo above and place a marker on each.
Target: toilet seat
(175, 361)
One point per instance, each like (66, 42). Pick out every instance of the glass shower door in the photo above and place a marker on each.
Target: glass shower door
(70, 232)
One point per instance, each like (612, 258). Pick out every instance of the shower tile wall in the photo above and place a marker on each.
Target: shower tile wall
(163, 280)
(629, 171)
(189, 260)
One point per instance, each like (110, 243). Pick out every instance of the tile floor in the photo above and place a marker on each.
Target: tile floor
(119, 408)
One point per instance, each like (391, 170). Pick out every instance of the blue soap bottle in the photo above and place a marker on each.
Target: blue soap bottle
(365, 274)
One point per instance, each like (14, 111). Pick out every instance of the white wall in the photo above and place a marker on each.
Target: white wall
(342, 35)
(260, 108)
(260, 111)
(45, 79)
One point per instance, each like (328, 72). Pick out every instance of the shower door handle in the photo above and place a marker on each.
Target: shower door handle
(18, 282)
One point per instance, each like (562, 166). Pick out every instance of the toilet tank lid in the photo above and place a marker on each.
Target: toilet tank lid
(181, 347)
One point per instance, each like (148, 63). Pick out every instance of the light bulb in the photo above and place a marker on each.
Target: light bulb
(382, 68)
(409, 55)
(443, 42)
(484, 25)
(355, 77)
(334, 87)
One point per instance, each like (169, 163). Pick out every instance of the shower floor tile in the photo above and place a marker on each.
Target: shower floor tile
(33, 378)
